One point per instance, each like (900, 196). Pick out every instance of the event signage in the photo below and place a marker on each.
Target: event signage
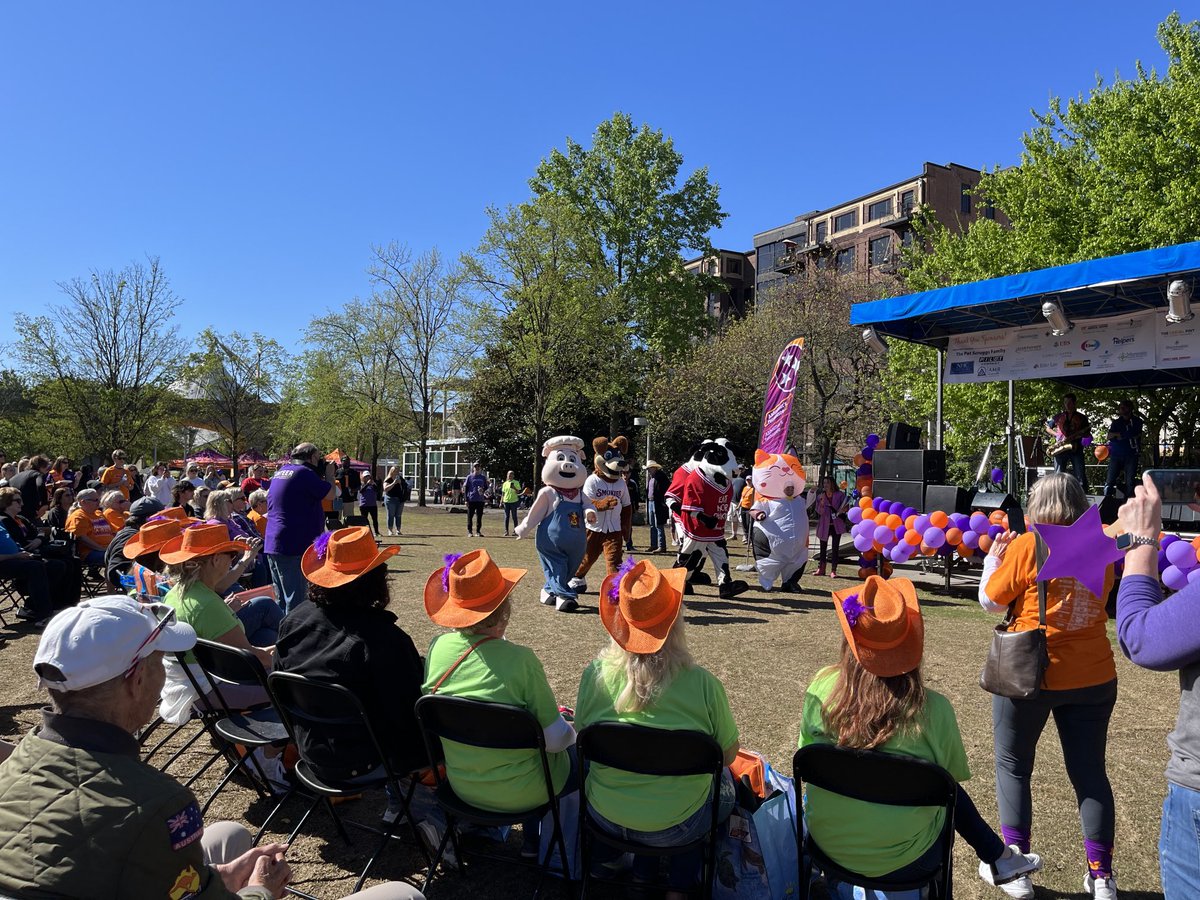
(1093, 346)
(777, 408)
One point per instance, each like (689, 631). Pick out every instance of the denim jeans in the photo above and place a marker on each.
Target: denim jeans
(291, 587)
(1124, 470)
(94, 558)
(1179, 843)
(395, 512)
(260, 618)
(684, 869)
(658, 540)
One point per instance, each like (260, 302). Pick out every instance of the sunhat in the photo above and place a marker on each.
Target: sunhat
(101, 637)
(651, 464)
(338, 557)
(882, 623)
(639, 605)
(154, 535)
(199, 540)
(175, 512)
(468, 589)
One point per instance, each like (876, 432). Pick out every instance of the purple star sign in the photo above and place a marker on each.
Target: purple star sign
(1080, 550)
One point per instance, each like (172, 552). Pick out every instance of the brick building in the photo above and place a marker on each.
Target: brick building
(737, 270)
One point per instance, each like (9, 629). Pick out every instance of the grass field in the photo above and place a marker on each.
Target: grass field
(765, 648)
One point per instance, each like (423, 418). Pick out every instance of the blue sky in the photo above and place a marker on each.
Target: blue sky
(259, 149)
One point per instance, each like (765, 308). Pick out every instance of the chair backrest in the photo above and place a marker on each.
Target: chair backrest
(232, 665)
(874, 777)
(650, 751)
(496, 726)
(355, 521)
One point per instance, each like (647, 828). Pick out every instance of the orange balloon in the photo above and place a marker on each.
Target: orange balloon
(996, 517)
(910, 521)
(876, 546)
(865, 503)
(863, 483)
(893, 521)
(1196, 543)
(864, 572)
(985, 543)
(870, 555)
(926, 550)
(882, 445)
(1101, 452)
(954, 536)
(870, 513)
(844, 485)
(964, 552)
(912, 537)
(858, 460)
(1004, 521)
(939, 519)
(885, 569)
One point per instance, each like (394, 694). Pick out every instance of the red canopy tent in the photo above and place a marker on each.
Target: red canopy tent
(252, 458)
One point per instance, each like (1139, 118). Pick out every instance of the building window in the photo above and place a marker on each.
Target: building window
(748, 296)
(880, 249)
(906, 238)
(879, 209)
(965, 204)
(733, 266)
(845, 220)
(822, 231)
(907, 199)
(989, 209)
(845, 260)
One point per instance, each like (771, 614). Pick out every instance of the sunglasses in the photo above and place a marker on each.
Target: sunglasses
(165, 615)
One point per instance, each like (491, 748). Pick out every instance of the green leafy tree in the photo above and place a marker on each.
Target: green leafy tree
(639, 220)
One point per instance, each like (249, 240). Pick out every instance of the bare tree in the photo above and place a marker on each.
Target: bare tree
(421, 299)
(109, 352)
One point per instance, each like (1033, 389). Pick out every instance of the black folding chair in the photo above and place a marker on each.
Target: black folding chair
(354, 521)
(320, 714)
(874, 777)
(494, 726)
(11, 598)
(261, 727)
(662, 753)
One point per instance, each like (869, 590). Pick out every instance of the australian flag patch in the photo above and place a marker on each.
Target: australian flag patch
(185, 826)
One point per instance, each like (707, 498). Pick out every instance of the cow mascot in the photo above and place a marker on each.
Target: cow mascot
(608, 493)
(780, 514)
(701, 497)
(559, 513)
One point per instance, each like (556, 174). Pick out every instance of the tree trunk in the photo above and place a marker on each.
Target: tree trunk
(423, 460)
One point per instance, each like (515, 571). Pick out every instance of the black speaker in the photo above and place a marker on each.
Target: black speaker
(1109, 507)
(909, 465)
(910, 493)
(988, 501)
(903, 437)
(948, 498)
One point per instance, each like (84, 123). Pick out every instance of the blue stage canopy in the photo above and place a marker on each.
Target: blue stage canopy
(1096, 288)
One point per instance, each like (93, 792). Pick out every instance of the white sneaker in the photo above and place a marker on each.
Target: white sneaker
(1100, 888)
(578, 585)
(1011, 872)
(432, 835)
(547, 598)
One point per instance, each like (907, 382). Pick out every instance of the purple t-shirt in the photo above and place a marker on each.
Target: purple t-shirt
(477, 485)
(294, 513)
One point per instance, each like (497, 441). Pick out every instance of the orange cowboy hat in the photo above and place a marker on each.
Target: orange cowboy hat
(882, 623)
(174, 512)
(338, 557)
(154, 535)
(468, 589)
(639, 605)
(199, 540)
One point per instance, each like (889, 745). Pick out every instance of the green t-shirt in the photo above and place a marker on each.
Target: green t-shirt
(496, 672)
(510, 491)
(871, 838)
(694, 700)
(203, 609)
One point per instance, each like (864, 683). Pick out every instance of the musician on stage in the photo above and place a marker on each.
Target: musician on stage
(1124, 445)
(1068, 429)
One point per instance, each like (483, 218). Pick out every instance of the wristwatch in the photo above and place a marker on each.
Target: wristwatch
(1128, 541)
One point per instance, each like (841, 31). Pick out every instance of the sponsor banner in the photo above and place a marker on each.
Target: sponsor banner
(777, 408)
(1178, 346)
(1116, 344)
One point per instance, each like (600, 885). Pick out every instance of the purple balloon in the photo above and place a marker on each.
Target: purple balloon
(906, 512)
(1162, 562)
(872, 441)
(884, 535)
(862, 543)
(970, 540)
(1086, 441)
(960, 521)
(868, 453)
(1182, 556)
(934, 536)
(901, 530)
(946, 550)
(979, 523)
(896, 509)
(864, 469)
(997, 475)
(921, 524)
(1175, 579)
(1194, 576)
(1168, 540)
(994, 531)
(854, 514)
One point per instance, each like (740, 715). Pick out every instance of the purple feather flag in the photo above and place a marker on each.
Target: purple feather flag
(449, 559)
(614, 593)
(321, 544)
(852, 609)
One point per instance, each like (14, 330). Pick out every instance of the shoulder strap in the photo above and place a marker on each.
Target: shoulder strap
(458, 662)
(1042, 586)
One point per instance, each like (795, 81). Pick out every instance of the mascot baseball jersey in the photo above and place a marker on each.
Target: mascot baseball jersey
(702, 495)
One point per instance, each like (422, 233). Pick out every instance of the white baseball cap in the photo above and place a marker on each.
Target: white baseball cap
(103, 637)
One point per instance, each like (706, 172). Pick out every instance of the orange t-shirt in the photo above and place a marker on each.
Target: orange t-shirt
(260, 522)
(115, 518)
(747, 499)
(1077, 641)
(111, 478)
(96, 528)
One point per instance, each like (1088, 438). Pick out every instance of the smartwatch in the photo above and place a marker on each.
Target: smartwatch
(1128, 541)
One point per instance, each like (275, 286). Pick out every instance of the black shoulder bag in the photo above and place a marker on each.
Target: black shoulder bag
(1017, 660)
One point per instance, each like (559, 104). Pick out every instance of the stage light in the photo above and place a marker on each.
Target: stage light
(1059, 323)
(1179, 302)
(872, 339)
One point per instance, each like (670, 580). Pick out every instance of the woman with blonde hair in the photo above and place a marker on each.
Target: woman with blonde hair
(1079, 687)
(646, 676)
(875, 699)
(395, 493)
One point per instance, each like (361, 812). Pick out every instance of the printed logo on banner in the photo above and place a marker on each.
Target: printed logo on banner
(962, 368)
(1078, 363)
(1090, 345)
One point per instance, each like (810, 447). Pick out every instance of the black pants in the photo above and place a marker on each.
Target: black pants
(510, 509)
(475, 510)
(836, 540)
(32, 577)
(372, 513)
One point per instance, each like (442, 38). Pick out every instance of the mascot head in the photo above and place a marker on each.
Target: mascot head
(610, 463)
(564, 466)
(778, 475)
(715, 458)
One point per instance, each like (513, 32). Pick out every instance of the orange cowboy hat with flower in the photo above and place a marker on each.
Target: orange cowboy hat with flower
(882, 623)
(468, 589)
(155, 534)
(640, 603)
(196, 541)
(338, 557)
(173, 512)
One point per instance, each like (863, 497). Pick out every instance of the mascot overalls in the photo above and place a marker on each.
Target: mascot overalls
(780, 514)
(559, 513)
(609, 494)
(701, 499)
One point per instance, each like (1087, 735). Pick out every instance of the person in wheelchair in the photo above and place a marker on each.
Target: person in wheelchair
(874, 699)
